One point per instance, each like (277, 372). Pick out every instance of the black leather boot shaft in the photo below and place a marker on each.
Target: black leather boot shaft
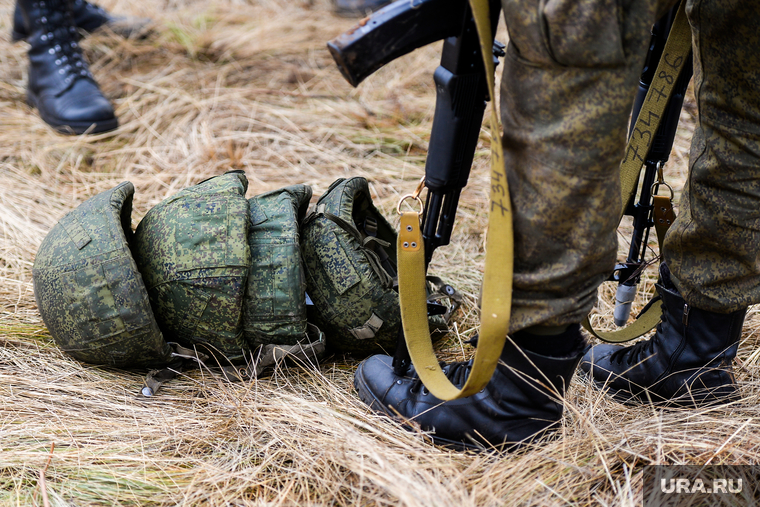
(88, 17)
(60, 84)
(523, 400)
(686, 363)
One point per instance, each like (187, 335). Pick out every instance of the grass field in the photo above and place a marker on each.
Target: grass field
(249, 85)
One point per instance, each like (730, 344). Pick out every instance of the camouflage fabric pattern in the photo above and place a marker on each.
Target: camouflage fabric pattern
(569, 80)
(713, 247)
(193, 252)
(89, 291)
(568, 84)
(275, 305)
(350, 295)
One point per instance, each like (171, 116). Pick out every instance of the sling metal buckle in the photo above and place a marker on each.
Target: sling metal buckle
(660, 181)
(414, 196)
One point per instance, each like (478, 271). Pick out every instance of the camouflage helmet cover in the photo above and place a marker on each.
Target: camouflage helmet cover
(88, 289)
(349, 254)
(192, 249)
(274, 310)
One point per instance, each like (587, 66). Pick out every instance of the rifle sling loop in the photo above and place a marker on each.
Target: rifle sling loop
(671, 64)
(497, 279)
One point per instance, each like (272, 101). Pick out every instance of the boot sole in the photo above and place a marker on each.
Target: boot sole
(73, 128)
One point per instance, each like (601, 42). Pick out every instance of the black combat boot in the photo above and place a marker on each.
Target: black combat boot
(60, 84)
(523, 400)
(87, 17)
(686, 363)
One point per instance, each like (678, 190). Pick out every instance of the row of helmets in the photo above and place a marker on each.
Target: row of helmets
(211, 271)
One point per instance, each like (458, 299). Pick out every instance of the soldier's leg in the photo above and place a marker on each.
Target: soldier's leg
(713, 248)
(567, 90)
(569, 81)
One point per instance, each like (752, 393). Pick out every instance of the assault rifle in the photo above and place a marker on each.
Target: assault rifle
(461, 94)
(461, 91)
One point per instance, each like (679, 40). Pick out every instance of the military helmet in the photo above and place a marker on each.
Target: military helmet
(349, 253)
(192, 249)
(274, 309)
(223, 273)
(89, 291)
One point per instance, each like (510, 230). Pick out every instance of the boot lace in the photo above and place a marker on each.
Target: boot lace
(456, 372)
(640, 351)
(62, 42)
(635, 353)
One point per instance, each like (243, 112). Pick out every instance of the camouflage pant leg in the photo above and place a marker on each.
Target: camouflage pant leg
(568, 84)
(713, 248)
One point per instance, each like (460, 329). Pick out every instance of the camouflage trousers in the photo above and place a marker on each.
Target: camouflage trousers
(569, 80)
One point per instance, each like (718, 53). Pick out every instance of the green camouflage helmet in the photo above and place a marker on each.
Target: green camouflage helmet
(89, 291)
(275, 302)
(192, 249)
(349, 253)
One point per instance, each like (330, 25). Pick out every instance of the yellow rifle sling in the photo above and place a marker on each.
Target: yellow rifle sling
(497, 280)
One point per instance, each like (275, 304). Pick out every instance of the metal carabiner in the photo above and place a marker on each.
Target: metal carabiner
(660, 181)
(414, 196)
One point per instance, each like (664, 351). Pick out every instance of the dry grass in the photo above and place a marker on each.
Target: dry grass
(249, 85)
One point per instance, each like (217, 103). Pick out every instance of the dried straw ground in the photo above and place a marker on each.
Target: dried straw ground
(249, 85)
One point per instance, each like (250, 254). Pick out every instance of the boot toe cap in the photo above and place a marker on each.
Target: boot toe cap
(596, 360)
(84, 102)
(373, 379)
(387, 392)
(79, 109)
